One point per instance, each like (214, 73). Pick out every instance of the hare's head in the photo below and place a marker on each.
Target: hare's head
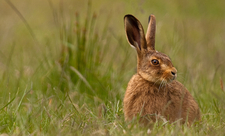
(152, 65)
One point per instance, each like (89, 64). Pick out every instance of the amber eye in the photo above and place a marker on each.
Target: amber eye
(155, 62)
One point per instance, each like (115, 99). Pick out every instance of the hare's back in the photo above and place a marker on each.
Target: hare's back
(183, 97)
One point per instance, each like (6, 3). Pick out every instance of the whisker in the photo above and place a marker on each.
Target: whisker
(179, 73)
(161, 84)
(155, 82)
(169, 85)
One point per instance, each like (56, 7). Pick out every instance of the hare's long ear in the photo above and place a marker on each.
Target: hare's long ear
(150, 35)
(134, 33)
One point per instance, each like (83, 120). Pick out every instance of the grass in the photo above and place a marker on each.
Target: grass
(65, 65)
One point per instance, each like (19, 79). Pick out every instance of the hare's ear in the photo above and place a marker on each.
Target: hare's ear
(134, 33)
(150, 35)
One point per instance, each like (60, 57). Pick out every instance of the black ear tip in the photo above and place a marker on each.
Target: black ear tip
(149, 18)
(129, 16)
(130, 19)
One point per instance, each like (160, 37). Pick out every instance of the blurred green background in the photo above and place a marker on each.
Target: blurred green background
(65, 65)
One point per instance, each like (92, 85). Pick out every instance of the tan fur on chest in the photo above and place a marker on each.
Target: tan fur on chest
(144, 98)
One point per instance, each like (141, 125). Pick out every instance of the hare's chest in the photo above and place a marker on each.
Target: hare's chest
(154, 102)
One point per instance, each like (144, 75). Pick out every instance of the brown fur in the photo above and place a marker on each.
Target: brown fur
(153, 91)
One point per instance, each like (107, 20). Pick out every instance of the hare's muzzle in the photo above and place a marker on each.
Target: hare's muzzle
(173, 73)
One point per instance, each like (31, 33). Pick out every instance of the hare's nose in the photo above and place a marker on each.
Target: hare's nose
(174, 72)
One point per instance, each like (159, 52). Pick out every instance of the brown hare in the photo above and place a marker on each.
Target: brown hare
(153, 91)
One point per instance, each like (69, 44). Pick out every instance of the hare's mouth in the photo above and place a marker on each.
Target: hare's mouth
(165, 80)
(170, 79)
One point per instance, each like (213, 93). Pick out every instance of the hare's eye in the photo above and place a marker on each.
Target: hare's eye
(155, 62)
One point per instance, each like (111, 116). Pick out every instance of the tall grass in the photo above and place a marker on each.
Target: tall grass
(84, 50)
(72, 78)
